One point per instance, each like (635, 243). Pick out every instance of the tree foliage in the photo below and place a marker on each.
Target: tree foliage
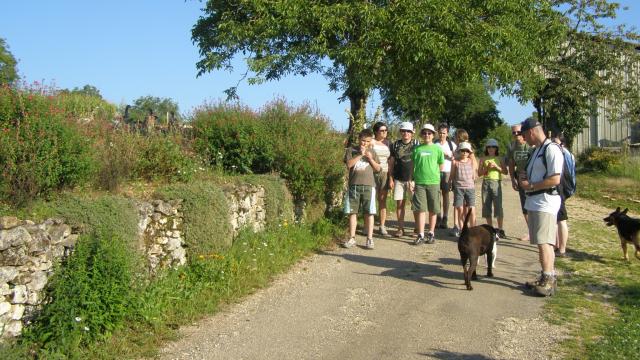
(471, 108)
(593, 67)
(413, 51)
(8, 72)
(152, 105)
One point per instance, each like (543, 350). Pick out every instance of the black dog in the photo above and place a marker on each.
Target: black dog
(628, 230)
(473, 242)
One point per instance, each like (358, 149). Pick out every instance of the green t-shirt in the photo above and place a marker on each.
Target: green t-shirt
(426, 164)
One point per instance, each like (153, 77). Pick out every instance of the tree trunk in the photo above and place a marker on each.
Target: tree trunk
(358, 102)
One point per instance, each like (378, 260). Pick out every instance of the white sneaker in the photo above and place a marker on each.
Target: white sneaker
(369, 244)
(455, 232)
(349, 243)
(383, 231)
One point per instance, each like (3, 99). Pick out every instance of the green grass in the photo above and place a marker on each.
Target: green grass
(599, 292)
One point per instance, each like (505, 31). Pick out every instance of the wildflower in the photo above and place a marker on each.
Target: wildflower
(86, 328)
(78, 319)
(201, 257)
(264, 244)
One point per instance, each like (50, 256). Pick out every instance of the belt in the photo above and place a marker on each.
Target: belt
(550, 191)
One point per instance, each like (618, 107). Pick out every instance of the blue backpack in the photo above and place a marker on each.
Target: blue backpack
(568, 177)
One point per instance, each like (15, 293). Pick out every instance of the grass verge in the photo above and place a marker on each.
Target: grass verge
(600, 293)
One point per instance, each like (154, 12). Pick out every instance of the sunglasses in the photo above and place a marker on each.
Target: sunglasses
(516, 133)
(406, 131)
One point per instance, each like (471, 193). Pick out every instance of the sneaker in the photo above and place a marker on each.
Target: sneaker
(431, 238)
(443, 223)
(419, 240)
(383, 231)
(400, 233)
(501, 234)
(369, 244)
(438, 221)
(524, 237)
(349, 243)
(546, 286)
(455, 232)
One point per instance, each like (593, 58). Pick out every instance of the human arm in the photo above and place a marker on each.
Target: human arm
(391, 163)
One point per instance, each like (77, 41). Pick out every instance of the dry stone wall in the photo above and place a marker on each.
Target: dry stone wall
(28, 250)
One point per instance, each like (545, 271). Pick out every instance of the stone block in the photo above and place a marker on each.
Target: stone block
(5, 307)
(173, 244)
(8, 274)
(4, 289)
(14, 256)
(16, 312)
(162, 240)
(8, 222)
(12, 329)
(13, 237)
(40, 242)
(58, 232)
(19, 294)
(165, 208)
(38, 281)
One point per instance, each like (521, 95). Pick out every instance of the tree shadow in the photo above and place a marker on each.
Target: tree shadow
(450, 355)
(424, 273)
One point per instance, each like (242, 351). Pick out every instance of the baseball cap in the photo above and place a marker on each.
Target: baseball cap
(491, 142)
(529, 124)
(429, 127)
(406, 126)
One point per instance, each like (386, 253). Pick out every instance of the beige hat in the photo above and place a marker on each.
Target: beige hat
(429, 127)
(465, 146)
(406, 126)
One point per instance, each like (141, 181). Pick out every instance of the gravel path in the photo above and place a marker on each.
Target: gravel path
(398, 301)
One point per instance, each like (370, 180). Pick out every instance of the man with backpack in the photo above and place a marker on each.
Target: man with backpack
(566, 189)
(448, 148)
(540, 182)
(400, 168)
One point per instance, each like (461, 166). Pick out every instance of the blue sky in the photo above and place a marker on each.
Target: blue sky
(129, 49)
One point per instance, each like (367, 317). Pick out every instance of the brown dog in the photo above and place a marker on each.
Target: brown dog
(628, 230)
(473, 242)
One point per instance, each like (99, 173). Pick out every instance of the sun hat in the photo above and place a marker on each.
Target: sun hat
(529, 124)
(465, 146)
(429, 127)
(491, 142)
(406, 126)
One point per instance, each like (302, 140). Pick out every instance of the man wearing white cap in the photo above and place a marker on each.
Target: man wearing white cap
(428, 160)
(400, 168)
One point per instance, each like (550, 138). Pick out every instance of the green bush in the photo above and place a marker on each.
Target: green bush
(598, 159)
(93, 290)
(160, 158)
(42, 150)
(296, 142)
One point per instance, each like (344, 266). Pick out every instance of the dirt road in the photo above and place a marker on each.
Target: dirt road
(398, 301)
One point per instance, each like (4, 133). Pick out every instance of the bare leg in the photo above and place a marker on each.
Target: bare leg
(368, 223)
(382, 204)
(563, 236)
(432, 221)
(421, 218)
(400, 213)
(547, 257)
(353, 223)
(500, 222)
(473, 216)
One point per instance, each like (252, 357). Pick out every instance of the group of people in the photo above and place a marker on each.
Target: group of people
(427, 171)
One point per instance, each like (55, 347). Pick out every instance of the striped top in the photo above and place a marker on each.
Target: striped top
(464, 175)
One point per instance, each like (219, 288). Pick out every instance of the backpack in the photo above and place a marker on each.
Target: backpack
(567, 185)
(568, 179)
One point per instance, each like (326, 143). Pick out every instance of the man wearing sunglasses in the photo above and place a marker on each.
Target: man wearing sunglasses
(517, 156)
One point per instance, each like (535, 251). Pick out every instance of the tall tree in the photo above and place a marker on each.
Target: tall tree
(413, 51)
(8, 73)
(145, 106)
(596, 63)
(88, 90)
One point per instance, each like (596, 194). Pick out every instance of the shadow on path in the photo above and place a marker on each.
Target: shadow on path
(450, 355)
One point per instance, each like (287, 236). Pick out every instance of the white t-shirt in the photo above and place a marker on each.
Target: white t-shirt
(448, 154)
(536, 172)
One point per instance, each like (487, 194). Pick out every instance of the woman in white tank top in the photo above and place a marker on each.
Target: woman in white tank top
(380, 146)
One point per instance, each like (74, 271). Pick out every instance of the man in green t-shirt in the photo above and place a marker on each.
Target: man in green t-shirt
(517, 157)
(428, 160)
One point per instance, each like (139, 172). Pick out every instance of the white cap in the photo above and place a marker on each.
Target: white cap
(491, 142)
(465, 146)
(429, 127)
(406, 126)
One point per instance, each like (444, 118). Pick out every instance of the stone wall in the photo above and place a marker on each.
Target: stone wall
(28, 251)
(27, 254)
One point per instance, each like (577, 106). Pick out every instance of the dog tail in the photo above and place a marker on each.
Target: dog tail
(466, 221)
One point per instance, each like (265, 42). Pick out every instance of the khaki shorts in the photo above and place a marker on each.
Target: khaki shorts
(543, 228)
(426, 198)
(492, 198)
(382, 181)
(400, 188)
(360, 198)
